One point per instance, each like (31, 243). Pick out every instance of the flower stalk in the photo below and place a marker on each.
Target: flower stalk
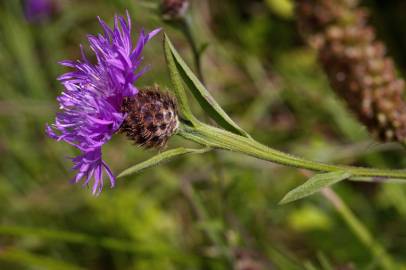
(177, 13)
(221, 139)
(186, 27)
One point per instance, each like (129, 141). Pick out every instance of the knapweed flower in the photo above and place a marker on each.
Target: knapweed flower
(39, 10)
(93, 95)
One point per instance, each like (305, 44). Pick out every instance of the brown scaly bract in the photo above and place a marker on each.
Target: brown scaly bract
(152, 118)
(356, 64)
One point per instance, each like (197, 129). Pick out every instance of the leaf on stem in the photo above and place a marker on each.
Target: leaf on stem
(315, 184)
(178, 67)
(160, 158)
(179, 89)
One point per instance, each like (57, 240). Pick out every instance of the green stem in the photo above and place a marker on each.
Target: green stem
(222, 139)
(187, 31)
(361, 232)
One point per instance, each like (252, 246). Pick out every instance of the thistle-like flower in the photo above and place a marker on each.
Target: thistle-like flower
(91, 103)
(39, 10)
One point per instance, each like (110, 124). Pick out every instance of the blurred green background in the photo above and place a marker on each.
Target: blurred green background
(213, 211)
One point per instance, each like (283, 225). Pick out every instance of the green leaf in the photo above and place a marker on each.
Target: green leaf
(161, 157)
(179, 89)
(315, 184)
(201, 94)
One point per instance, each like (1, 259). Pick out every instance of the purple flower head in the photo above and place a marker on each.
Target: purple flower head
(91, 101)
(39, 10)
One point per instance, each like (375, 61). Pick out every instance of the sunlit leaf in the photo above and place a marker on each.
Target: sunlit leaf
(162, 157)
(315, 184)
(198, 90)
(179, 89)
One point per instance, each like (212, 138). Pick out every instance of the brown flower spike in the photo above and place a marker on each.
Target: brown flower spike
(356, 64)
(152, 118)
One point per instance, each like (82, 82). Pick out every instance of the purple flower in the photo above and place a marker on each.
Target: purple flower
(39, 10)
(91, 102)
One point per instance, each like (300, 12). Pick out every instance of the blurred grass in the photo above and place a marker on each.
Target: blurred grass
(200, 211)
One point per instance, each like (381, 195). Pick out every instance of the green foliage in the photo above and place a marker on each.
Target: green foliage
(160, 158)
(197, 211)
(178, 69)
(315, 184)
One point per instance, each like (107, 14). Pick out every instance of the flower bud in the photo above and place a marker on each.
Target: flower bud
(174, 9)
(152, 118)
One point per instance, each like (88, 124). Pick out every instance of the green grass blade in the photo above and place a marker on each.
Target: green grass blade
(71, 237)
(28, 259)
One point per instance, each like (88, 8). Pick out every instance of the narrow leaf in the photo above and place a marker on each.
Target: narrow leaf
(315, 184)
(202, 95)
(162, 157)
(179, 89)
